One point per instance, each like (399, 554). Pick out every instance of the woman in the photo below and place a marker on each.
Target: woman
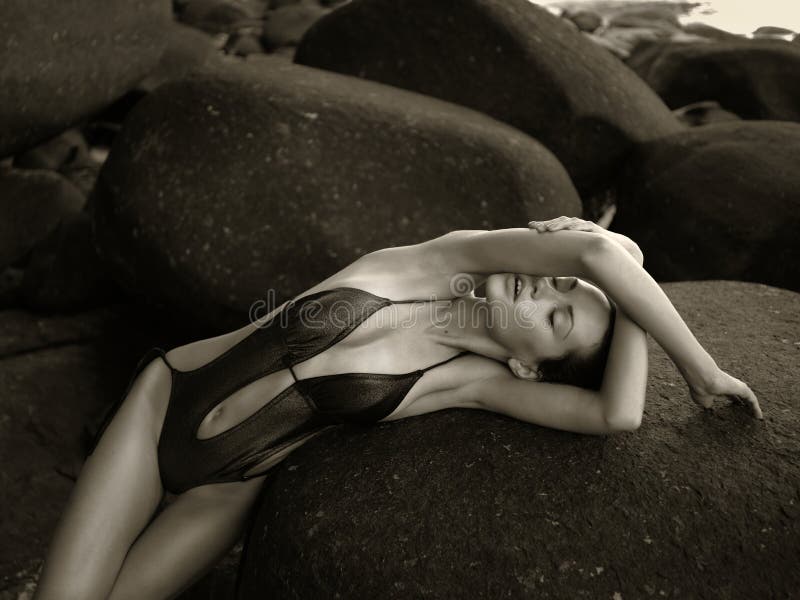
(259, 398)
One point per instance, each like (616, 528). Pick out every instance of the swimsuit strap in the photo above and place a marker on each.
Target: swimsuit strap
(163, 354)
(447, 360)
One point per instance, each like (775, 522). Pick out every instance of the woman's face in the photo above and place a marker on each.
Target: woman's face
(545, 317)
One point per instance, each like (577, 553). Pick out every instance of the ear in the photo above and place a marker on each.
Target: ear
(523, 370)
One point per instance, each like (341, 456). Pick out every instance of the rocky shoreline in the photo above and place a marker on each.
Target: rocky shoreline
(165, 165)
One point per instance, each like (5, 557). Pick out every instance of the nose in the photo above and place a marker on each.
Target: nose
(541, 289)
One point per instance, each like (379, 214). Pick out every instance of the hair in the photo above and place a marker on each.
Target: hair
(582, 368)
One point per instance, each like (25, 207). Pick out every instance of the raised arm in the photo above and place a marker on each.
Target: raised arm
(637, 293)
(617, 406)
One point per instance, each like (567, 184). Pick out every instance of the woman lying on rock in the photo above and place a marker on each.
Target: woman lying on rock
(205, 421)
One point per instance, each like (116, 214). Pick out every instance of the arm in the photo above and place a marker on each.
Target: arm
(617, 406)
(706, 380)
(576, 224)
(635, 291)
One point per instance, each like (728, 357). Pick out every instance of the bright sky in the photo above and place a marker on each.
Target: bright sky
(740, 16)
(743, 16)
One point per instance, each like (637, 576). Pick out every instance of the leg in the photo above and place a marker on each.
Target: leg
(185, 540)
(116, 494)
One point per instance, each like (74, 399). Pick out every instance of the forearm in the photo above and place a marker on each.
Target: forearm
(625, 378)
(513, 250)
(641, 298)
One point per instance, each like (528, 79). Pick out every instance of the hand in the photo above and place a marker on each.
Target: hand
(721, 384)
(576, 224)
(573, 223)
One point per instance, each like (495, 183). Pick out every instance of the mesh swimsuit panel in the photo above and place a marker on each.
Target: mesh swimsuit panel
(301, 330)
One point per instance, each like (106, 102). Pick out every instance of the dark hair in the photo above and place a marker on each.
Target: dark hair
(583, 368)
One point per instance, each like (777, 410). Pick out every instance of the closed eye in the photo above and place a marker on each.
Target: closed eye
(570, 287)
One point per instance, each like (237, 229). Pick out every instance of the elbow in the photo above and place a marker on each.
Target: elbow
(636, 252)
(598, 250)
(624, 422)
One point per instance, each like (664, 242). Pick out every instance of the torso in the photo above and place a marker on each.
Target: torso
(399, 338)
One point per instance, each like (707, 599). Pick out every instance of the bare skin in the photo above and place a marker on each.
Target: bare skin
(110, 542)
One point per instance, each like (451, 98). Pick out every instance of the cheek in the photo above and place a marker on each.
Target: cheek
(526, 325)
(529, 316)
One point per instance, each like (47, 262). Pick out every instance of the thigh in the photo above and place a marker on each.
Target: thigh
(117, 492)
(186, 540)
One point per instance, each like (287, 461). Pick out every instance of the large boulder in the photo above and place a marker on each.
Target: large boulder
(510, 59)
(267, 177)
(32, 204)
(720, 201)
(756, 79)
(469, 504)
(711, 33)
(64, 272)
(62, 61)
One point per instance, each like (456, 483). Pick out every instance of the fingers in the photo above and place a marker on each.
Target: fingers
(751, 399)
(746, 396)
(563, 222)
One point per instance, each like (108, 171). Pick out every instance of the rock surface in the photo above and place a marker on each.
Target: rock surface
(56, 376)
(61, 61)
(755, 79)
(285, 26)
(469, 504)
(508, 58)
(65, 273)
(265, 178)
(703, 113)
(32, 204)
(720, 201)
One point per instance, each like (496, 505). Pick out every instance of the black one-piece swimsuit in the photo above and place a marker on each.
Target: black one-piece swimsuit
(301, 330)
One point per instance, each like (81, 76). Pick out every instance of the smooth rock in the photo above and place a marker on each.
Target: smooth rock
(756, 79)
(244, 44)
(32, 203)
(585, 20)
(187, 49)
(217, 16)
(720, 201)
(712, 33)
(62, 61)
(264, 178)
(23, 331)
(61, 152)
(286, 25)
(11, 287)
(703, 113)
(633, 15)
(469, 504)
(665, 26)
(767, 30)
(510, 59)
(65, 273)
(67, 153)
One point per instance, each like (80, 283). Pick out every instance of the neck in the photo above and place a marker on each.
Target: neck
(464, 325)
